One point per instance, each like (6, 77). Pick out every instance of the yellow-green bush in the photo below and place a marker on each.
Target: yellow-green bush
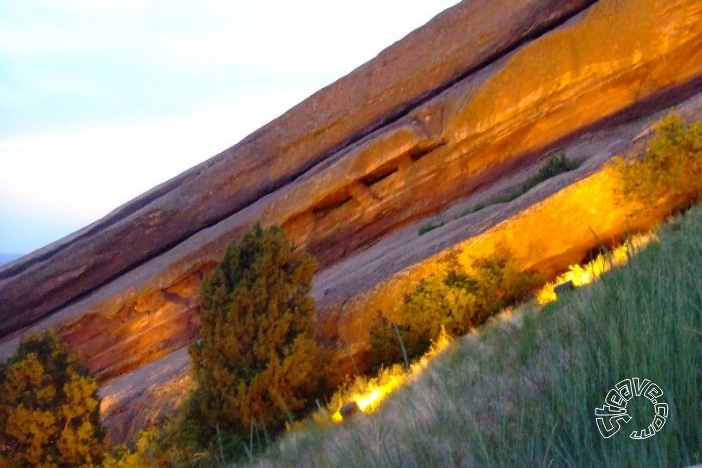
(455, 302)
(171, 444)
(49, 410)
(671, 167)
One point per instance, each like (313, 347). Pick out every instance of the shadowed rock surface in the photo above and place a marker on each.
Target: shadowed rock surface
(455, 114)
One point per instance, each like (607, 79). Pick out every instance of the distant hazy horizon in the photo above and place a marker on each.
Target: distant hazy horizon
(8, 257)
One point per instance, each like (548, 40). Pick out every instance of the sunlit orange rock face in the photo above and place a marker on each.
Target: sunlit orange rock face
(458, 110)
(315, 131)
(561, 230)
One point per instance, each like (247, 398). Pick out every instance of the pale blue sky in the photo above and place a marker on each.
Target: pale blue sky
(100, 100)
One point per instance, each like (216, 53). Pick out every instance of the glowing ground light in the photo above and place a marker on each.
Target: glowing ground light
(371, 397)
(582, 275)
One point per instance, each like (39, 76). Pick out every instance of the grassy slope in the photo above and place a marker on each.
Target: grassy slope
(523, 392)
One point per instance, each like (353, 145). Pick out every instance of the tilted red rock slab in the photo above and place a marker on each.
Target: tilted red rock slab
(339, 198)
(445, 147)
(548, 229)
(271, 157)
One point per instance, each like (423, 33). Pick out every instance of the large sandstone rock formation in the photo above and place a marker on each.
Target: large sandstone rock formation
(451, 115)
(332, 119)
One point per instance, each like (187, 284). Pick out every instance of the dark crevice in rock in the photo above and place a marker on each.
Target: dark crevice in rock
(378, 175)
(656, 102)
(419, 153)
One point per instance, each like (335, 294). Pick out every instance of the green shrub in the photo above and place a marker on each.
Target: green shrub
(423, 229)
(477, 207)
(49, 411)
(556, 165)
(258, 361)
(385, 347)
(182, 440)
(671, 167)
(455, 302)
(257, 364)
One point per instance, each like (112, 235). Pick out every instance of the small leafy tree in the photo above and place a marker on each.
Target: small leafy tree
(258, 361)
(49, 407)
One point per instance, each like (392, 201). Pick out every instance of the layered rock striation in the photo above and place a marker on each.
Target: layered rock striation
(458, 110)
(329, 121)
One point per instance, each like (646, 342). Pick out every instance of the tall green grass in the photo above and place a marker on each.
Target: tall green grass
(523, 390)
